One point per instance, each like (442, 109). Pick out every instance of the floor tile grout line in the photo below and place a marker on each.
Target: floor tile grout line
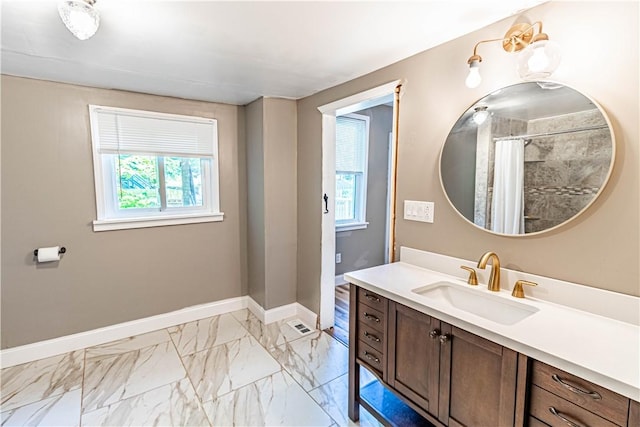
(84, 372)
(282, 370)
(110, 356)
(188, 377)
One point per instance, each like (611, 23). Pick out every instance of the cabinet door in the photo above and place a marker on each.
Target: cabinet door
(477, 381)
(634, 414)
(413, 359)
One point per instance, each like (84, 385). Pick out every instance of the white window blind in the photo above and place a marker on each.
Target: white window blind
(123, 131)
(351, 137)
(352, 145)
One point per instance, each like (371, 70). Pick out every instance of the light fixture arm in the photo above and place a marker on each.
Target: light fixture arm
(517, 38)
(475, 56)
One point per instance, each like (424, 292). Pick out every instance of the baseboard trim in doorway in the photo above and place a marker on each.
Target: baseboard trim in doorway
(283, 312)
(39, 350)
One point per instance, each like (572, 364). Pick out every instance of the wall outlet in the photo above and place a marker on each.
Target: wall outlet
(338, 258)
(428, 211)
(418, 211)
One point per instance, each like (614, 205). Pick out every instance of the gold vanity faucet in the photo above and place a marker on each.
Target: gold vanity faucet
(494, 277)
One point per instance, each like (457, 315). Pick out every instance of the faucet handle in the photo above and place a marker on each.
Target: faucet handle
(473, 277)
(518, 291)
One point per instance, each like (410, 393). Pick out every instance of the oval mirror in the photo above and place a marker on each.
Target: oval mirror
(527, 158)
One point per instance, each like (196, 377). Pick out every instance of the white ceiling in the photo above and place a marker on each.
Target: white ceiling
(237, 51)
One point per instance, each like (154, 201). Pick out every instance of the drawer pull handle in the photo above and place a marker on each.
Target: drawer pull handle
(372, 297)
(434, 333)
(564, 418)
(371, 337)
(371, 317)
(371, 357)
(592, 394)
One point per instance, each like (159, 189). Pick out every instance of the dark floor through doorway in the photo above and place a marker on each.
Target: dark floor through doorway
(340, 330)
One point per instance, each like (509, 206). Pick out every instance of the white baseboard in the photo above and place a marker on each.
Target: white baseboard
(284, 311)
(39, 350)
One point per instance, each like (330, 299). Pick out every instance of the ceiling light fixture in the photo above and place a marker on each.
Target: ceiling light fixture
(538, 56)
(80, 17)
(480, 115)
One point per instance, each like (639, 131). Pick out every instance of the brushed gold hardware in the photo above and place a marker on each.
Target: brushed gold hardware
(564, 418)
(434, 333)
(515, 39)
(371, 297)
(494, 277)
(371, 357)
(473, 277)
(444, 338)
(592, 394)
(371, 317)
(371, 337)
(518, 37)
(518, 291)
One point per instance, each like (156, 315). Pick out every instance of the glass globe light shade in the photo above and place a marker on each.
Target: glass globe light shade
(539, 60)
(480, 116)
(79, 17)
(473, 79)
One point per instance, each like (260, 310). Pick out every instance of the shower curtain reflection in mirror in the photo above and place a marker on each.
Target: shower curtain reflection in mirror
(507, 204)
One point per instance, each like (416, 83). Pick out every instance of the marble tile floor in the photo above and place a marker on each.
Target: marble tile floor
(220, 371)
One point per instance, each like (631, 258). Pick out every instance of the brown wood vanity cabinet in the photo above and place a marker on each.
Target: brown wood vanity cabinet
(449, 376)
(371, 328)
(452, 377)
(558, 398)
(455, 376)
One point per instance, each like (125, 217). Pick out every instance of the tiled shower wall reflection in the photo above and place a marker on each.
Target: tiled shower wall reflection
(562, 173)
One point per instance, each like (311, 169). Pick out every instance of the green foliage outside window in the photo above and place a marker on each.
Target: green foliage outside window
(138, 181)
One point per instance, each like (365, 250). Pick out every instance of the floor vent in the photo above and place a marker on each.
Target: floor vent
(300, 327)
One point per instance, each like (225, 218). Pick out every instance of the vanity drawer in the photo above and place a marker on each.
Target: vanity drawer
(368, 316)
(534, 422)
(370, 356)
(372, 337)
(542, 404)
(583, 393)
(372, 299)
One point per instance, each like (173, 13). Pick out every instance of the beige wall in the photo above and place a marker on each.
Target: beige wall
(271, 172)
(107, 277)
(600, 249)
(255, 203)
(280, 131)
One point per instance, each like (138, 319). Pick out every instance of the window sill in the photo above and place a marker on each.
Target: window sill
(351, 226)
(160, 221)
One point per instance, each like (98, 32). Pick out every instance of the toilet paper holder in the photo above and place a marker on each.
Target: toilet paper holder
(60, 251)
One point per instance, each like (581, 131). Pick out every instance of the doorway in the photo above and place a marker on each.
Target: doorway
(383, 98)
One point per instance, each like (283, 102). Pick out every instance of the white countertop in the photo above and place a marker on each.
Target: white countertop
(597, 348)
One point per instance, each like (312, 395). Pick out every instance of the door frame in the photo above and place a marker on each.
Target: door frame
(329, 112)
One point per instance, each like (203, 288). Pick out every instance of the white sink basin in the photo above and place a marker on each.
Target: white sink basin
(479, 303)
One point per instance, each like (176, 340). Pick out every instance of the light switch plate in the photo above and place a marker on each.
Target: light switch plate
(418, 211)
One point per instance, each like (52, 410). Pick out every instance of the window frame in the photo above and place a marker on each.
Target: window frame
(110, 217)
(360, 202)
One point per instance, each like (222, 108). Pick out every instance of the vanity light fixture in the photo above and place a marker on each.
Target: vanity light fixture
(79, 17)
(480, 115)
(538, 56)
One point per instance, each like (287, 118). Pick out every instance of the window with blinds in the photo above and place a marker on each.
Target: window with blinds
(153, 169)
(352, 146)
